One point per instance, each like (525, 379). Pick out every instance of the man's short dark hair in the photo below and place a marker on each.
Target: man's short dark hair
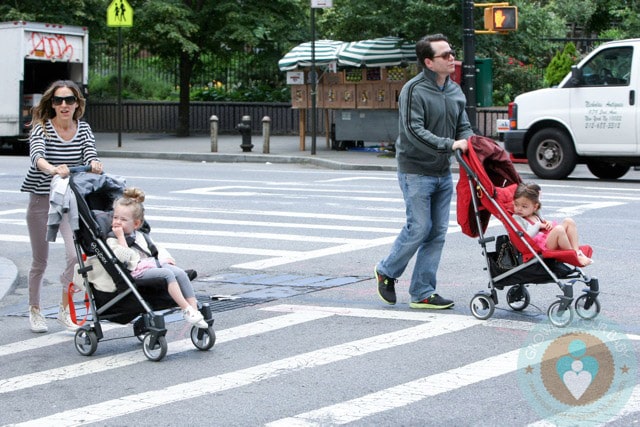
(424, 49)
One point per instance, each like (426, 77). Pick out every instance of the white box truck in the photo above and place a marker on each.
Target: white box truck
(35, 55)
(591, 117)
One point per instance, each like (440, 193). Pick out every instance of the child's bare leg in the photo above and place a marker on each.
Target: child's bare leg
(572, 236)
(571, 230)
(557, 239)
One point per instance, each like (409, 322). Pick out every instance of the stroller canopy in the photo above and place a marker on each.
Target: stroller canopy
(491, 166)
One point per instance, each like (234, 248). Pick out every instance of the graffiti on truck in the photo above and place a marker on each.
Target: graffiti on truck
(54, 47)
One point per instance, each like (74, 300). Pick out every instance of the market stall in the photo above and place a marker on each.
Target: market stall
(357, 90)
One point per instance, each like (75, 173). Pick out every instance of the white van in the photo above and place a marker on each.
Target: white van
(592, 117)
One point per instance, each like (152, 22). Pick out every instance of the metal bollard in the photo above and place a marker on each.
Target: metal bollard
(266, 134)
(213, 126)
(244, 128)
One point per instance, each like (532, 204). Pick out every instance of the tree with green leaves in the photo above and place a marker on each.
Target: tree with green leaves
(560, 65)
(188, 28)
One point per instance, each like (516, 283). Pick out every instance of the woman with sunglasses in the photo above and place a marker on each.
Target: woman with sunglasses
(58, 140)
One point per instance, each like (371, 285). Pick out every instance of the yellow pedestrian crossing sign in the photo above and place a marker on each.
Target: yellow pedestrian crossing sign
(119, 14)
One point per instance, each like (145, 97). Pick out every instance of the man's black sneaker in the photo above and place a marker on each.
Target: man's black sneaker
(386, 287)
(435, 301)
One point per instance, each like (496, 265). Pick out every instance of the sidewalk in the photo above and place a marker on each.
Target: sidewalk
(281, 149)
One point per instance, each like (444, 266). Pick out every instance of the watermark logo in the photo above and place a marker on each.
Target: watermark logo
(582, 373)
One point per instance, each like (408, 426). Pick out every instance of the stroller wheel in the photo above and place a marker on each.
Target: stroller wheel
(482, 306)
(159, 349)
(203, 339)
(558, 317)
(587, 306)
(518, 297)
(86, 342)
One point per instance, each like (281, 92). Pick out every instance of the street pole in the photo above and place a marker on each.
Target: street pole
(119, 115)
(469, 62)
(313, 80)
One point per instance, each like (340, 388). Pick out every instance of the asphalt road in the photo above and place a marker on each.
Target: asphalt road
(285, 255)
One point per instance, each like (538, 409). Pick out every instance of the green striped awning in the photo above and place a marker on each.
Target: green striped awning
(326, 51)
(380, 52)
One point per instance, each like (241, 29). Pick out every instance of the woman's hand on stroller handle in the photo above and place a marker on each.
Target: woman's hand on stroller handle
(83, 168)
(95, 167)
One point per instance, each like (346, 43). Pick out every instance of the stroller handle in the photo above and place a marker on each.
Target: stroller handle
(76, 169)
(464, 164)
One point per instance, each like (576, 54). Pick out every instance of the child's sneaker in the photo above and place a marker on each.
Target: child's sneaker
(37, 321)
(194, 317)
(64, 318)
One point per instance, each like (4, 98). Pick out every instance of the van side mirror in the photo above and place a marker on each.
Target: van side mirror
(576, 75)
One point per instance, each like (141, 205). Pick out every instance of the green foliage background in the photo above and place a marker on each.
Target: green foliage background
(180, 37)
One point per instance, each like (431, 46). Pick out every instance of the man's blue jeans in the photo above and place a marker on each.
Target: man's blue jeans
(428, 203)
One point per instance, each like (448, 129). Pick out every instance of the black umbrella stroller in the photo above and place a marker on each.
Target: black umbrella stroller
(145, 302)
(486, 187)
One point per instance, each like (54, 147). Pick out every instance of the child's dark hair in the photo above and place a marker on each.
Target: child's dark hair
(530, 191)
(133, 197)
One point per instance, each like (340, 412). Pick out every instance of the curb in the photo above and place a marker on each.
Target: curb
(8, 276)
(245, 158)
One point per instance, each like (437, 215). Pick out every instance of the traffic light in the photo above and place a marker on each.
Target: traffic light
(501, 18)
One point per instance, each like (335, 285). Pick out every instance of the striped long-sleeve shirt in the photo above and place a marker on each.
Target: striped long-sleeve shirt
(80, 150)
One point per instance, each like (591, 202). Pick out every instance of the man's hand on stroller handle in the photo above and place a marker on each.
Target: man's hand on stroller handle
(460, 144)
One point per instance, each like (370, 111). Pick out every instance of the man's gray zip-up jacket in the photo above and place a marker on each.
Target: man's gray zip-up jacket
(431, 119)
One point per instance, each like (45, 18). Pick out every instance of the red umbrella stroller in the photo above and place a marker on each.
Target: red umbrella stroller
(487, 183)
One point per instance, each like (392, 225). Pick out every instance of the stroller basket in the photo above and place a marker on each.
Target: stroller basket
(485, 189)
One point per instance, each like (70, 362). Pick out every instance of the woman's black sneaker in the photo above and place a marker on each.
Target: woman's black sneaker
(386, 287)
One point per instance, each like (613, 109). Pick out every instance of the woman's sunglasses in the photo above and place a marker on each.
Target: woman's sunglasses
(69, 100)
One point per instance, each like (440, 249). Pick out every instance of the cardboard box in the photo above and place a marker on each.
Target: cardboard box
(327, 96)
(346, 96)
(332, 78)
(393, 95)
(300, 96)
(372, 96)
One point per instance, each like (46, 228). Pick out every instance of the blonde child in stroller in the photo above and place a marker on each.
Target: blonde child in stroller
(136, 250)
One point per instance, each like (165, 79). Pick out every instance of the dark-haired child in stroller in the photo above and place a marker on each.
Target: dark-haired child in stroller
(145, 259)
(547, 234)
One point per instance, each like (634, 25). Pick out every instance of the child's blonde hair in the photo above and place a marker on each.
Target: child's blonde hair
(132, 197)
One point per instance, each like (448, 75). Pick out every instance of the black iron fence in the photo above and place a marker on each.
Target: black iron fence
(162, 117)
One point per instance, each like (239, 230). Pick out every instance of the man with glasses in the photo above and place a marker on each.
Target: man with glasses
(433, 124)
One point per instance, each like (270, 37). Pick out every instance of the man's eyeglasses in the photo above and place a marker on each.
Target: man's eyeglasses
(69, 100)
(446, 55)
